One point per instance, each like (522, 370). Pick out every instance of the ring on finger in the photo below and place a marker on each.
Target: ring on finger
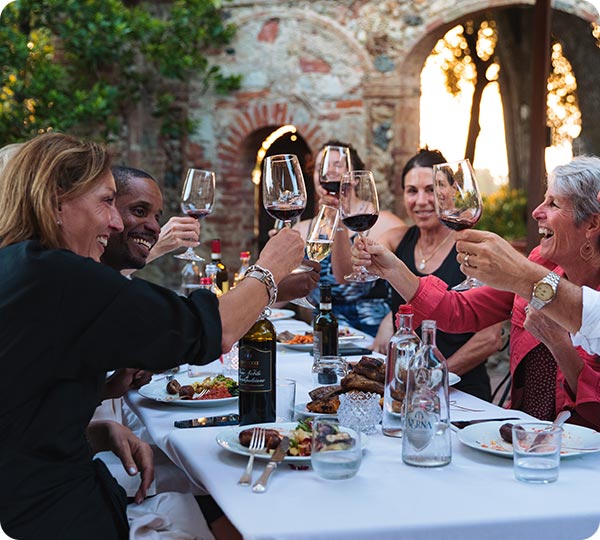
(466, 260)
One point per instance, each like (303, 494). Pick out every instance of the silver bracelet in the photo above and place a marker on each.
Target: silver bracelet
(265, 276)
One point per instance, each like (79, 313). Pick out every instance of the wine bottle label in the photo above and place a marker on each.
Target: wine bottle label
(325, 307)
(255, 364)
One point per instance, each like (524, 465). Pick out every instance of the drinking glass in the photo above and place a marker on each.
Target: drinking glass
(536, 452)
(285, 399)
(457, 202)
(329, 370)
(197, 200)
(359, 210)
(335, 162)
(336, 452)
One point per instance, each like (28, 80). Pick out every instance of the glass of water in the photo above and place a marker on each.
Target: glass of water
(336, 452)
(536, 452)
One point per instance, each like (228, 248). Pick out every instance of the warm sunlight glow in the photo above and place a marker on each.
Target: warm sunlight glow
(445, 122)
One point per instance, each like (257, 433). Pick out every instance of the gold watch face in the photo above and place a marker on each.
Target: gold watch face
(544, 291)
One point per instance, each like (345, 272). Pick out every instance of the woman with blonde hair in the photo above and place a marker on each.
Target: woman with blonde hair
(67, 320)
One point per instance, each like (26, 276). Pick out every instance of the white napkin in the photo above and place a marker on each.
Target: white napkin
(168, 516)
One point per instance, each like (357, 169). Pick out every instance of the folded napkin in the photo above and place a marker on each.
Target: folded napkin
(168, 516)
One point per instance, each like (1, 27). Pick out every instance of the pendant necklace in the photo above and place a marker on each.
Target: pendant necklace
(425, 260)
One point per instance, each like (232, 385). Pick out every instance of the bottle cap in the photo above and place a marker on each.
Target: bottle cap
(406, 309)
(244, 254)
(215, 245)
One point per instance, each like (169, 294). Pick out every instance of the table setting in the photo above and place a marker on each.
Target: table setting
(475, 496)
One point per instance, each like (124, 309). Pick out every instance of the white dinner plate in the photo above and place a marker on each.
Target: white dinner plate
(280, 314)
(308, 346)
(157, 391)
(453, 378)
(228, 438)
(302, 412)
(486, 437)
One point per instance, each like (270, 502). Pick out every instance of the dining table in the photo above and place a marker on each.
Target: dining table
(475, 497)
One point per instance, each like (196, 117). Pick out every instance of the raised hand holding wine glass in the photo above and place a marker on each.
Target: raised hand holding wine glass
(197, 200)
(359, 210)
(457, 202)
(336, 161)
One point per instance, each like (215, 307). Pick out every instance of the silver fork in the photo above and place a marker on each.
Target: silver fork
(462, 407)
(257, 442)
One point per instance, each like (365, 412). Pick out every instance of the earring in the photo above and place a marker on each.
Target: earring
(587, 251)
(59, 222)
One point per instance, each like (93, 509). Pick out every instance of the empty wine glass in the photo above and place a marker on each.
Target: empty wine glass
(457, 202)
(197, 200)
(359, 210)
(336, 161)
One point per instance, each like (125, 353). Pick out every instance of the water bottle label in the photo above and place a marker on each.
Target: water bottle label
(420, 428)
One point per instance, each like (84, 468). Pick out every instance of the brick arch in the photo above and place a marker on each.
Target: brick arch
(236, 154)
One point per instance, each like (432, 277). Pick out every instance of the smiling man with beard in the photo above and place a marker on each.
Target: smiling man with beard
(140, 204)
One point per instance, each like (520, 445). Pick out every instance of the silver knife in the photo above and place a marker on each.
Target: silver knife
(280, 452)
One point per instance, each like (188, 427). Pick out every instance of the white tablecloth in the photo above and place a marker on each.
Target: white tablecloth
(475, 497)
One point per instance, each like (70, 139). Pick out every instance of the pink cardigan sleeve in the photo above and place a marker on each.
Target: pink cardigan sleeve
(456, 312)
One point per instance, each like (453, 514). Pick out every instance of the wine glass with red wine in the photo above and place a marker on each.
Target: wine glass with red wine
(359, 210)
(197, 200)
(335, 161)
(457, 202)
(284, 197)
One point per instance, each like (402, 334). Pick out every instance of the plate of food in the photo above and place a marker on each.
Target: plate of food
(304, 342)
(302, 411)
(281, 314)
(237, 438)
(487, 437)
(203, 391)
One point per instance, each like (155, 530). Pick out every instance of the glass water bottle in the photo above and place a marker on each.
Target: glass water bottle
(426, 439)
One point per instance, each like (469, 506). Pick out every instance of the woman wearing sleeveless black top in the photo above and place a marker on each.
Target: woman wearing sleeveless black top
(476, 381)
(428, 248)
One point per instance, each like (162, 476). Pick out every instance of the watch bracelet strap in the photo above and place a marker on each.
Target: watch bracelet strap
(552, 278)
(265, 276)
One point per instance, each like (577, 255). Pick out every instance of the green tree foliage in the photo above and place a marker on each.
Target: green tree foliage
(82, 65)
(505, 213)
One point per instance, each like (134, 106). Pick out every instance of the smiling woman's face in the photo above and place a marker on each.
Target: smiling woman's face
(561, 239)
(419, 197)
(88, 220)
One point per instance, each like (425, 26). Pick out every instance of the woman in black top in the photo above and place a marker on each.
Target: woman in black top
(66, 320)
(427, 247)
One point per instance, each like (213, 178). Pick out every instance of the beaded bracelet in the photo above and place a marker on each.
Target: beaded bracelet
(265, 276)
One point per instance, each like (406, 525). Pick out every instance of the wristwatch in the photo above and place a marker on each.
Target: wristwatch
(544, 290)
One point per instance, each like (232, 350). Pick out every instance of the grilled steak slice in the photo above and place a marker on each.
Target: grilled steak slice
(325, 392)
(329, 405)
(372, 368)
(354, 381)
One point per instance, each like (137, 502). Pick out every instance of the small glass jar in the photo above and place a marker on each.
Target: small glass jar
(329, 370)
